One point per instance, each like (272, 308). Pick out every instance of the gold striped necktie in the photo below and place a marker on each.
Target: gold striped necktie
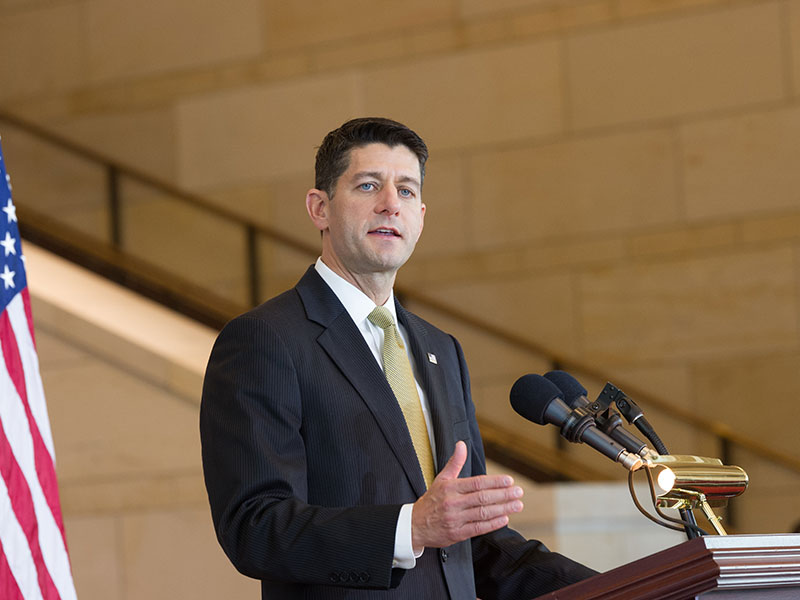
(398, 372)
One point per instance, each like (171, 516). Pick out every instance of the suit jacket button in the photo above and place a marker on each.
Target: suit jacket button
(352, 576)
(334, 577)
(443, 554)
(363, 577)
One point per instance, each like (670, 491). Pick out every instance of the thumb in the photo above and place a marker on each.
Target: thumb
(456, 462)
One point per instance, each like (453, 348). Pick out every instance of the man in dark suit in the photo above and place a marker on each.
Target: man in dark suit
(329, 478)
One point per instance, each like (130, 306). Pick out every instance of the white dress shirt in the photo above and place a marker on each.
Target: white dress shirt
(359, 306)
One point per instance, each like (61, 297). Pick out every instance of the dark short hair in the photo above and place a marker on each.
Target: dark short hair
(333, 156)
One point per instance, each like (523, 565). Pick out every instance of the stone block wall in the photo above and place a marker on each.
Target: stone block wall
(615, 179)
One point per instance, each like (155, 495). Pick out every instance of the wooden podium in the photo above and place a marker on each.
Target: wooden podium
(712, 567)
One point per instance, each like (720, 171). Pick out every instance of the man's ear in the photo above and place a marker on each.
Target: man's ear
(317, 207)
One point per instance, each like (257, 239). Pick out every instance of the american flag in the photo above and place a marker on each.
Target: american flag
(33, 550)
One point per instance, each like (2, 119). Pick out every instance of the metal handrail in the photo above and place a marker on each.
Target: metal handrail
(149, 280)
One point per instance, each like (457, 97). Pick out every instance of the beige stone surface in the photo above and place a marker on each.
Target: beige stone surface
(578, 14)
(792, 21)
(784, 226)
(144, 140)
(56, 183)
(360, 52)
(591, 185)
(447, 223)
(745, 394)
(477, 8)
(258, 133)
(93, 543)
(635, 8)
(308, 22)
(175, 554)
(486, 31)
(44, 47)
(167, 35)
(491, 360)
(432, 41)
(685, 241)
(667, 68)
(770, 503)
(540, 307)
(574, 252)
(130, 441)
(742, 165)
(101, 319)
(452, 100)
(121, 493)
(536, 23)
(723, 305)
(205, 249)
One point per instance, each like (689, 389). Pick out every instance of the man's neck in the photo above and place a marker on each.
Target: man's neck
(376, 286)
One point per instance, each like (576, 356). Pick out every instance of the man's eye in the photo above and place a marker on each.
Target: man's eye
(406, 193)
(367, 187)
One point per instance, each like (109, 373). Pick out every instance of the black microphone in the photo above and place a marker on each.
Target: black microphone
(606, 419)
(539, 400)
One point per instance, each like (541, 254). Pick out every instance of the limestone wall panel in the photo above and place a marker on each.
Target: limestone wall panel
(735, 391)
(724, 305)
(175, 554)
(447, 223)
(668, 68)
(454, 101)
(44, 48)
(130, 442)
(257, 133)
(635, 8)
(793, 25)
(539, 307)
(96, 567)
(310, 22)
(742, 165)
(591, 185)
(478, 8)
(142, 139)
(126, 39)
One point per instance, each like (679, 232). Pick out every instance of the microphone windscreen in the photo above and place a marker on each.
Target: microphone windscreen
(531, 395)
(569, 386)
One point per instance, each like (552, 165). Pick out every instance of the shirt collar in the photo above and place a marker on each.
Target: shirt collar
(356, 302)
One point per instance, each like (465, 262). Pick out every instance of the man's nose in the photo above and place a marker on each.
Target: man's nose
(388, 200)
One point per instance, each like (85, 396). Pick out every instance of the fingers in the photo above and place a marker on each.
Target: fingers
(453, 510)
(507, 497)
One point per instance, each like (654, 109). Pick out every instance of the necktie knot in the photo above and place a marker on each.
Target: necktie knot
(381, 317)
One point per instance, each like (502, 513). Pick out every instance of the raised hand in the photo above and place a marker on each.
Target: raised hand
(453, 509)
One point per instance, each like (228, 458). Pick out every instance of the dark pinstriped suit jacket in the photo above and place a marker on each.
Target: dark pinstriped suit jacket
(307, 460)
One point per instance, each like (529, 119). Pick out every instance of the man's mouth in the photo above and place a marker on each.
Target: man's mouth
(386, 231)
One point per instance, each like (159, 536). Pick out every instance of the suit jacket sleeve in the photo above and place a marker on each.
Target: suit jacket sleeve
(254, 460)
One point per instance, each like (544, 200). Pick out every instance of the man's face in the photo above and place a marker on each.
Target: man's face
(375, 217)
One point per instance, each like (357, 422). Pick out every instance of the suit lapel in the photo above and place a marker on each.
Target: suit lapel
(345, 345)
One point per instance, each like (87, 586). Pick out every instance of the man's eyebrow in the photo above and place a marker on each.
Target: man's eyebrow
(379, 175)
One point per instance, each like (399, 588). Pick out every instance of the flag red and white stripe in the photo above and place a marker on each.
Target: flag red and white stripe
(34, 562)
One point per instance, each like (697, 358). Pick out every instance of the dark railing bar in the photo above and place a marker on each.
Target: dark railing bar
(253, 266)
(114, 220)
